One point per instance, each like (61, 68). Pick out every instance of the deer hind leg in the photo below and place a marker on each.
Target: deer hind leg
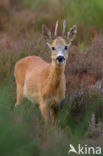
(19, 94)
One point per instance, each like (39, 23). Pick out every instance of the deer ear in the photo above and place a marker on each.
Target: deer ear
(48, 44)
(46, 33)
(72, 33)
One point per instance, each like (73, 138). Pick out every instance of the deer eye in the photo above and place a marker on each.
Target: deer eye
(65, 47)
(53, 48)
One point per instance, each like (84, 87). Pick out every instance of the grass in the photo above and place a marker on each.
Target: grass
(88, 12)
(76, 117)
(14, 133)
(23, 131)
(34, 4)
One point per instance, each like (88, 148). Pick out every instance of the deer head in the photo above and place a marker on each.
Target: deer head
(59, 45)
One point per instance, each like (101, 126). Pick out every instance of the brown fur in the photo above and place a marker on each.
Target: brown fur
(45, 83)
(40, 81)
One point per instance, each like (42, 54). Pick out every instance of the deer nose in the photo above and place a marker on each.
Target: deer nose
(60, 59)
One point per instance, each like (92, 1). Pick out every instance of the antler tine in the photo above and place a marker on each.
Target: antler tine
(64, 26)
(56, 29)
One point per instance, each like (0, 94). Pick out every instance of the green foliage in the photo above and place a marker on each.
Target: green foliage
(89, 13)
(77, 112)
(82, 46)
(34, 4)
(22, 130)
(15, 137)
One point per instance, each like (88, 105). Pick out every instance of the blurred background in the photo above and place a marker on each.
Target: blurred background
(22, 130)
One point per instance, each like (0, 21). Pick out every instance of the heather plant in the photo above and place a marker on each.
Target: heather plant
(80, 119)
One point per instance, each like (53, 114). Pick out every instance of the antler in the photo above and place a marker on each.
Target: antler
(56, 29)
(64, 26)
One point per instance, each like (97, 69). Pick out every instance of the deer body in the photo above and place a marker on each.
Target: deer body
(40, 81)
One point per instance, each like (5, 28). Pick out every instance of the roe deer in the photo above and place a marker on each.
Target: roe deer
(41, 81)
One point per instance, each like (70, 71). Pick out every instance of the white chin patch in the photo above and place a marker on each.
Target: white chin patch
(60, 62)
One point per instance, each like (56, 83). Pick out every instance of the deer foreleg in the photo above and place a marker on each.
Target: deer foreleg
(45, 111)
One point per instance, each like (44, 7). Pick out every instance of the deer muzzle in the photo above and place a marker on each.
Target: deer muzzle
(60, 59)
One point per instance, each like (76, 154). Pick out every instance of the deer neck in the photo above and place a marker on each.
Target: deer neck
(56, 75)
